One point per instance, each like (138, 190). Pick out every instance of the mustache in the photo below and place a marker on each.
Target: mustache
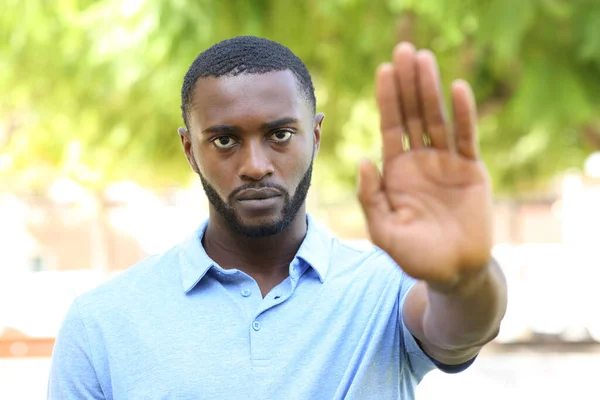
(261, 185)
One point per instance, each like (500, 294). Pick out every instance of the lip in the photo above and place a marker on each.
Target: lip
(257, 194)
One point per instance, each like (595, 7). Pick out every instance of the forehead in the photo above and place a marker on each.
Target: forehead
(261, 97)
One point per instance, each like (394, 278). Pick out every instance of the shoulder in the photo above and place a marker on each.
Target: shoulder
(343, 253)
(365, 261)
(147, 278)
(361, 254)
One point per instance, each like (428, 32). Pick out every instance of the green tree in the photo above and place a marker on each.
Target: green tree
(91, 88)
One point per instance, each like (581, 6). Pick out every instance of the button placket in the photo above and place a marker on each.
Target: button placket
(260, 344)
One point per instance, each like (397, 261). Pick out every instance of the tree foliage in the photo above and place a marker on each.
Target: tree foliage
(91, 88)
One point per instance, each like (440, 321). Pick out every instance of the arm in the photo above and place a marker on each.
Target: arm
(72, 374)
(431, 208)
(452, 325)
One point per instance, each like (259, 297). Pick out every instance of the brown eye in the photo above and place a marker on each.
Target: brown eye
(224, 142)
(281, 136)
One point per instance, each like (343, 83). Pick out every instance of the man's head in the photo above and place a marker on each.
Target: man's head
(245, 55)
(249, 108)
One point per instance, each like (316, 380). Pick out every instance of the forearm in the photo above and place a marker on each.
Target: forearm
(468, 315)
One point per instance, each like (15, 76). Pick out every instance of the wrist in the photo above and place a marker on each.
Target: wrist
(465, 283)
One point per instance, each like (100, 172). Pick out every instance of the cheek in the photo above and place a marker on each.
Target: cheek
(217, 176)
(298, 170)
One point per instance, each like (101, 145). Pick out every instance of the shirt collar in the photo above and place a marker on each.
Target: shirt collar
(316, 247)
(193, 260)
(195, 263)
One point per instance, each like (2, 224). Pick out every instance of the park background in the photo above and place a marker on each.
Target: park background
(93, 178)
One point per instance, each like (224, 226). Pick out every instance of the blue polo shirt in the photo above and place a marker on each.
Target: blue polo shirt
(178, 326)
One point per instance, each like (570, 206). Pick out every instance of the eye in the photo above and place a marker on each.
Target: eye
(224, 142)
(282, 135)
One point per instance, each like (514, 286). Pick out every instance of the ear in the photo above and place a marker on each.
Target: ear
(186, 143)
(318, 123)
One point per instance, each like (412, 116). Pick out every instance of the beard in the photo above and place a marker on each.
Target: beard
(277, 225)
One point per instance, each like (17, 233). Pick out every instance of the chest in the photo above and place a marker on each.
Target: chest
(229, 342)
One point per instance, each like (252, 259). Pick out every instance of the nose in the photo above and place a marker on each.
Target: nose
(255, 164)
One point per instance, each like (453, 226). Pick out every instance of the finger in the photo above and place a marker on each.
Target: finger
(371, 195)
(432, 100)
(465, 119)
(389, 110)
(406, 79)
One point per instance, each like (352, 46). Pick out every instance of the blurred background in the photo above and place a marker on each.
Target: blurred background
(92, 177)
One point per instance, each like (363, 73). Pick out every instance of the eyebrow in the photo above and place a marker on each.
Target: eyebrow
(230, 129)
(279, 122)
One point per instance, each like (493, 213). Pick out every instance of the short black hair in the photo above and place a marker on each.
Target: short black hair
(245, 55)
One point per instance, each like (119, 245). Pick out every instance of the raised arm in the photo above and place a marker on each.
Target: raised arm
(431, 208)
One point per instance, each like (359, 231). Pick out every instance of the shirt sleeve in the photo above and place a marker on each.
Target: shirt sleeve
(72, 373)
(418, 362)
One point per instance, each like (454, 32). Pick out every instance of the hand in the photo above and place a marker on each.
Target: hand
(431, 208)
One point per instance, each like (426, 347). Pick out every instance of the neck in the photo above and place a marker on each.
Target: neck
(262, 258)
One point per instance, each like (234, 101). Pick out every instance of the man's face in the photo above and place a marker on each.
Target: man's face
(252, 141)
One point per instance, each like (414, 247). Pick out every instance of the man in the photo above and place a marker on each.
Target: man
(261, 302)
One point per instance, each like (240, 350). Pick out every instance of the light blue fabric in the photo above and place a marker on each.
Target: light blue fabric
(178, 326)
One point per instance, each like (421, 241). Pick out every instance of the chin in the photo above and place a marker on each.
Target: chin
(260, 226)
(258, 231)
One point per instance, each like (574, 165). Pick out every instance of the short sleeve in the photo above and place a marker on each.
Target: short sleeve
(418, 362)
(72, 373)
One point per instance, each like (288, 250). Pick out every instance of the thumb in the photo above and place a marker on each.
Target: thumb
(370, 191)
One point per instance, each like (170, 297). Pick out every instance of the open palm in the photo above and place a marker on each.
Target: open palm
(431, 207)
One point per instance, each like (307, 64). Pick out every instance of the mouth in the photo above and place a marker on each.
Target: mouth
(254, 202)
(257, 194)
